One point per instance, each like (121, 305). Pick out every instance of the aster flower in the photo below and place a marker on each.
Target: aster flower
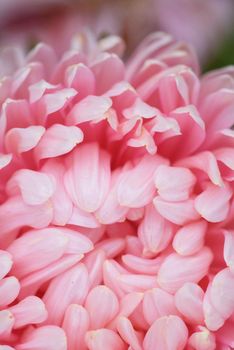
(116, 192)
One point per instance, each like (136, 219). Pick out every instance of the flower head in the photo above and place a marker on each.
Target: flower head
(116, 195)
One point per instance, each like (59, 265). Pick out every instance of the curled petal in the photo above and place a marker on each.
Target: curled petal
(176, 269)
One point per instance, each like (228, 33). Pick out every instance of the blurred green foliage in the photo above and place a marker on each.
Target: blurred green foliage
(224, 55)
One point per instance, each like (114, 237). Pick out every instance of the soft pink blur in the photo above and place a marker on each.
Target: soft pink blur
(116, 198)
(201, 23)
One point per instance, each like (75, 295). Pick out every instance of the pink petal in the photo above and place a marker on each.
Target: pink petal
(14, 213)
(81, 78)
(136, 283)
(111, 211)
(100, 317)
(35, 187)
(173, 183)
(31, 310)
(9, 290)
(37, 249)
(61, 213)
(33, 281)
(166, 333)
(37, 90)
(58, 140)
(136, 188)
(6, 262)
(176, 270)
(54, 101)
(141, 265)
(128, 333)
(154, 231)
(158, 303)
(19, 140)
(94, 263)
(88, 179)
(129, 303)
(212, 317)
(226, 156)
(83, 218)
(189, 239)
(202, 340)
(189, 300)
(77, 242)
(44, 338)
(76, 324)
(112, 247)
(5, 159)
(91, 108)
(102, 67)
(57, 299)
(6, 323)
(229, 249)
(206, 162)
(213, 203)
(104, 338)
(221, 293)
(179, 213)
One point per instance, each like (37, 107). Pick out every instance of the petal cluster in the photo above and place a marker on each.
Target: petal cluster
(116, 200)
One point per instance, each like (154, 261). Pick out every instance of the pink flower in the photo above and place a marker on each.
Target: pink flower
(116, 194)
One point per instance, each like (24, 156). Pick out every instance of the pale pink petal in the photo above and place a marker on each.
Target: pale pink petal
(58, 140)
(33, 281)
(206, 162)
(9, 290)
(75, 325)
(90, 108)
(77, 242)
(142, 265)
(31, 310)
(111, 275)
(100, 317)
(140, 109)
(5, 159)
(213, 202)
(111, 211)
(202, 340)
(102, 67)
(229, 249)
(57, 298)
(35, 187)
(88, 179)
(61, 213)
(188, 300)
(81, 78)
(14, 213)
(179, 213)
(83, 218)
(44, 338)
(226, 156)
(6, 323)
(104, 338)
(158, 303)
(213, 319)
(221, 293)
(112, 247)
(136, 283)
(189, 239)
(136, 188)
(94, 263)
(54, 101)
(154, 232)
(176, 269)
(37, 249)
(19, 140)
(37, 90)
(6, 262)
(173, 183)
(168, 332)
(128, 333)
(129, 303)
(45, 54)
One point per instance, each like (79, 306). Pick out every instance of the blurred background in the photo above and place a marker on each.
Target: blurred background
(206, 24)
